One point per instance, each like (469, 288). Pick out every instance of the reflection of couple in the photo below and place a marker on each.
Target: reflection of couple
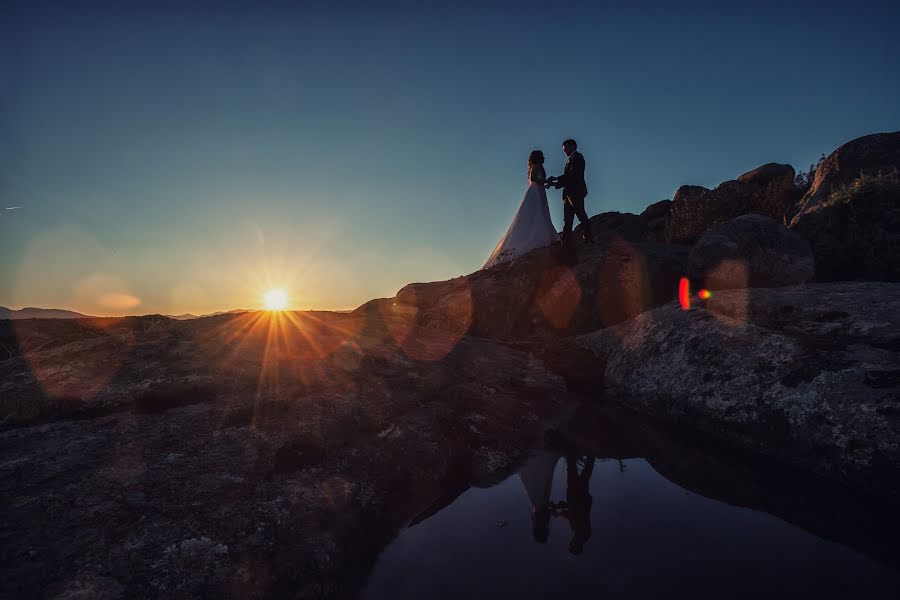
(537, 477)
(531, 227)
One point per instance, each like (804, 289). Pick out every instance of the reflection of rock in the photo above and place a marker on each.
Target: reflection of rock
(766, 253)
(706, 468)
(807, 374)
(768, 190)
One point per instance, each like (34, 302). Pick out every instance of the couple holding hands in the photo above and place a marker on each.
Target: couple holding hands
(532, 227)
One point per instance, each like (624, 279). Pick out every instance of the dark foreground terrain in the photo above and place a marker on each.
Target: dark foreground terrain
(250, 455)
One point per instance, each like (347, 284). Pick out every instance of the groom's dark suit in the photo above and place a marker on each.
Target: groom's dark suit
(574, 192)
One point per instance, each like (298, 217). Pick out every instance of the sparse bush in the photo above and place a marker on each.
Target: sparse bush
(866, 187)
(803, 180)
(855, 233)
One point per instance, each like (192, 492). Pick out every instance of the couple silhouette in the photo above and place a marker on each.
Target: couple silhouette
(537, 477)
(531, 226)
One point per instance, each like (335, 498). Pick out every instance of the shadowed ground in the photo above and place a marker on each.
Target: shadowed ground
(241, 455)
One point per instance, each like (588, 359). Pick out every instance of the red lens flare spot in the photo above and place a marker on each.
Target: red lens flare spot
(684, 293)
(704, 294)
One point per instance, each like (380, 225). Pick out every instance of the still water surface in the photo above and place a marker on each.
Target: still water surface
(617, 529)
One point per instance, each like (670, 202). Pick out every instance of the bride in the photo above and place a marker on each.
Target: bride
(531, 227)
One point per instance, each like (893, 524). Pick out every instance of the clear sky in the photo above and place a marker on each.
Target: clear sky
(171, 157)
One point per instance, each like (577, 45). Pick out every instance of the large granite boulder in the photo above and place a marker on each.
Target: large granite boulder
(851, 215)
(870, 154)
(809, 375)
(649, 226)
(855, 234)
(545, 293)
(766, 174)
(750, 251)
(628, 226)
(768, 190)
(657, 210)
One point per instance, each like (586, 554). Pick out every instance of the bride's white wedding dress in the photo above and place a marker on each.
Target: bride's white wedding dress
(531, 227)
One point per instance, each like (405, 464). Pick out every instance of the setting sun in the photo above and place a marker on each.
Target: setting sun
(275, 299)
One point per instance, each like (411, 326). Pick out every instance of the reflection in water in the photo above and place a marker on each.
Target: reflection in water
(617, 527)
(577, 507)
(537, 477)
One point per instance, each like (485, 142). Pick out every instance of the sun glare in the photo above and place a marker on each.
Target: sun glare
(275, 299)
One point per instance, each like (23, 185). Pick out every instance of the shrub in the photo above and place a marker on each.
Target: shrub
(855, 233)
(866, 188)
(803, 180)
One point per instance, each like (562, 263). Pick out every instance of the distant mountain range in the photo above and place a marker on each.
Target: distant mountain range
(233, 311)
(187, 316)
(31, 312)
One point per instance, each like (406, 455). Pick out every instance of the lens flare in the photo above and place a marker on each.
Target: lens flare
(684, 293)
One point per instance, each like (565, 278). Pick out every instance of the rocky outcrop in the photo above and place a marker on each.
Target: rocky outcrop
(657, 210)
(766, 174)
(809, 375)
(870, 154)
(544, 293)
(851, 214)
(767, 190)
(627, 226)
(855, 234)
(649, 226)
(655, 217)
(750, 251)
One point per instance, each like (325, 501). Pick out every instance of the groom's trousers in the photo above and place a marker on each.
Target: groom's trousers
(572, 206)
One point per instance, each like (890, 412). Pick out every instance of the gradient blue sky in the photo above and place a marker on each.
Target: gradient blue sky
(172, 157)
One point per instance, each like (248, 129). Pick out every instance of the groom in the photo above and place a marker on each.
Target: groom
(574, 191)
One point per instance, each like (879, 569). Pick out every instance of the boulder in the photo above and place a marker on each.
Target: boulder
(542, 294)
(628, 226)
(869, 154)
(768, 190)
(657, 210)
(655, 216)
(649, 226)
(750, 251)
(808, 375)
(766, 174)
(855, 234)
(851, 214)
